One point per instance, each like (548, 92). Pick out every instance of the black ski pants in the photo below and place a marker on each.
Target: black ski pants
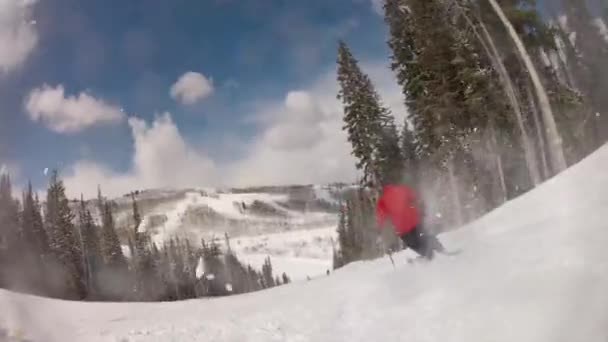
(419, 242)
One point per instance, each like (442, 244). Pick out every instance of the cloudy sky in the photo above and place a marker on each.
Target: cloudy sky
(154, 93)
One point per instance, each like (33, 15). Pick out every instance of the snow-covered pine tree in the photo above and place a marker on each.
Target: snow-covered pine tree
(93, 259)
(369, 124)
(517, 30)
(114, 280)
(165, 274)
(10, 240)
(427, 68)
(389, 157)
(587, 58)
(214, 269)
(409, 156)
(190, 264)
(235, 271)
(352, 242)
(410, 74)
(253, 279)
(34, 244)
(9, 212)
(64, 241)
(145, 280)
(267, 273)
(110, 244)
(343, 242)
(175, 268)
(452, 93)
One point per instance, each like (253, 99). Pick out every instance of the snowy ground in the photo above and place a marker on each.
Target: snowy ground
(231, 210)
(298, 243)
(300, 254)
(536, 269)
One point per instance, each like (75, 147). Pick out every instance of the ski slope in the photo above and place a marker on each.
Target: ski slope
(294, 248)
(229, 210)
(535, 269)
(300, 253)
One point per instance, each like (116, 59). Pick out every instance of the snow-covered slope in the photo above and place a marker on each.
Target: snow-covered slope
(294, 225)
(536, 269)
(204, 212)
(300, 253)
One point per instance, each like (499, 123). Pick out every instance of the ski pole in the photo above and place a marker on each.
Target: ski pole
(390, 256)
(388, 251)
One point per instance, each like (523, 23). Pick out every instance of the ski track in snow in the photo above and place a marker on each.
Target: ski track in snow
(535, 269)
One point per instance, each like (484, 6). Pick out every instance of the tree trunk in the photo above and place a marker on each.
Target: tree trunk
(555, 142)
(457, 206)
(539, 133)
(499, 166)
(509, 88)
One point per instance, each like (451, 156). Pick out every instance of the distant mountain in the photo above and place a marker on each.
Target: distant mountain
(292, 224)
(238, 211)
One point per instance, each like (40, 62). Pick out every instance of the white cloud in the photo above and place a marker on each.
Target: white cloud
(303, 140)
(161, 159)
(69, 114)
(18, 36)
(300, 141)
(377, 6)
(191, 87)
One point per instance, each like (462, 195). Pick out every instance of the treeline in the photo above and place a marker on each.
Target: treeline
(52, 250)
(499, 99)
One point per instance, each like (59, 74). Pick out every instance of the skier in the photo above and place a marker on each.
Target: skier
(400, 205)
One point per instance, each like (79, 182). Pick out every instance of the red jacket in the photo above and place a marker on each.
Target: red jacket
(397, 203)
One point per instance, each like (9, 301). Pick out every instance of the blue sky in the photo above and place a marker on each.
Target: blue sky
(101, 69)
(184, 93)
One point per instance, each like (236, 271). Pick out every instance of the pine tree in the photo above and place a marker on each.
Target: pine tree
(517, 27)
(588, 54)
(554, 149)
(91, 249)
(110, 244)
(405, 62)
(32, 219)
(114, 280)
(343, 241)
(214, 268)
(165, 274)
(268, 279)
(10, 235)
(352, 252)
(236, 274)
(100, 206)
(141, 258)
(409, 156)
(34, 244)
(389, 158)
(190, 263)
(9, 212)
(452, 93)
(370, 126)
(63, 239)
